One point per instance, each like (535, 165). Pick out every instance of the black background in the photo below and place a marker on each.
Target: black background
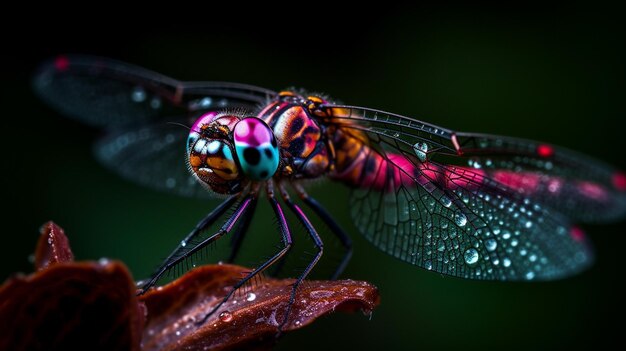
(554, 74)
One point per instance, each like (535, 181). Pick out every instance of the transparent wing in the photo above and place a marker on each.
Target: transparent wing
(575, 185)
(578, 186)
(108, 93)
(152, 155)
(449, 218)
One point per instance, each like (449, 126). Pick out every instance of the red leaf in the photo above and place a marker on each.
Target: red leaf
(68, 305)
(53, 247)
(246, 319)
(92, 306)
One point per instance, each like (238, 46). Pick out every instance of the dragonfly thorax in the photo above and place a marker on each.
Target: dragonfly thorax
(226, 151)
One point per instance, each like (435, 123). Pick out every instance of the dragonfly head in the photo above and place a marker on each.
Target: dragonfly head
(210, 153)
(227, 151)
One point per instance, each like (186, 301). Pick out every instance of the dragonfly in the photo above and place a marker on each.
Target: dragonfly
(467, 205)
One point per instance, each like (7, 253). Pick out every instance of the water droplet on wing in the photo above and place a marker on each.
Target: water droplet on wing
(138, 95)
(446, 201)
(460, 219)
(420, 150)
(491, 244)
(471, 256)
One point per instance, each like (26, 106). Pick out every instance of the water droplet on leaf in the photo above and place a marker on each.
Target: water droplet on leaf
(226, 316)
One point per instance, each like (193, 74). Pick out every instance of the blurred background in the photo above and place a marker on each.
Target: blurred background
(552, 74)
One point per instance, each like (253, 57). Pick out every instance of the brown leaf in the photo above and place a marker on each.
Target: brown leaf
(246, 319)
(67, 305)
(53, 247)
(92, 306)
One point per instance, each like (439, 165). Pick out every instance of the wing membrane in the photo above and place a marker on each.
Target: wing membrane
(450, 218)
(152, 155)
(108, 93)
(580, 187)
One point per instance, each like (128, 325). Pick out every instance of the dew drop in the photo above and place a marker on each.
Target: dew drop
(471, 256)
(138, 95)
(226, 316)
(183, 243)
(155, 103)
(420, 150)
(530, 275)
(460, 219)
(491, 244)
(441, 246)
(528, 224)
(514, 242)
(205, 102)
(506, 262)
(444, 224)
(446, 201)
(178, 333)
(251, 296)
(428, 265)
(532, 258)
(103, 261)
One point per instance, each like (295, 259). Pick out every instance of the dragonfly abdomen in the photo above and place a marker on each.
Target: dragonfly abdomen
(358, 165)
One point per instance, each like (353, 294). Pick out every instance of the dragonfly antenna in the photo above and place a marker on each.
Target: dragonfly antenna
(180, 125)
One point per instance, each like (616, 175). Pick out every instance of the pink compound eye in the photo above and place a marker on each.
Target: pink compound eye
(256, 148)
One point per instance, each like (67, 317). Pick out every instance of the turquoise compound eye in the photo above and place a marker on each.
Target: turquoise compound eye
(256, 148)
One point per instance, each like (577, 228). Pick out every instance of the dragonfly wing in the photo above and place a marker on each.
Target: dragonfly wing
(578, 186)
(152, 155)
(452, 219)
(107, 93)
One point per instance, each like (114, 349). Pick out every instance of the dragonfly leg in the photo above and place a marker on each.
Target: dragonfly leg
(240, 232)
(319, 245)
(182, 252)
(286, 241)
(343, 237)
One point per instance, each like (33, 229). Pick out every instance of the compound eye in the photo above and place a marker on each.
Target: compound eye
(256, 148)
(212, 158)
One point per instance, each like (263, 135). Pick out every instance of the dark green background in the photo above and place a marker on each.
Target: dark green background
(554, 74)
